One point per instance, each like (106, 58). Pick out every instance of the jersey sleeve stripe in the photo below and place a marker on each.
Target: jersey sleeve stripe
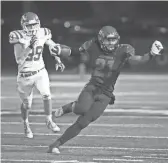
(17, 36)
(45, 31)
(49, 31)
(20, 34)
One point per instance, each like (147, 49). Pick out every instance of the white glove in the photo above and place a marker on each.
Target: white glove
(59, 64)
(55, 50)
(156, 48)
(33, 42)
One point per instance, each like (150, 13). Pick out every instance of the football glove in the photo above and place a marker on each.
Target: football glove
(55, 50)
(156, 48)
(59, 64)
(33, 41)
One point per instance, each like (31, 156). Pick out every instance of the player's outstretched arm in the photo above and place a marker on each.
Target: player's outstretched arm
(137, 59)
(156, 49)
(53, 47)
(59, 50)
(66, 51)
(55, 50)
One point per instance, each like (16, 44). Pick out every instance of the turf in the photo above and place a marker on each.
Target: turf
(134, 130)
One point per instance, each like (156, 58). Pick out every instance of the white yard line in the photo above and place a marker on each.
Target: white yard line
(130, 158)
(85, 135)
(82, 147)
(45, 161)
(146, 157)
(86, 77)
(76, 94)
(129, 101)
(107, 116)
(125, 116)
(68, 161)
(95, 125)
(78, 84)
(118, 160)
(143, 111)
(83, 83)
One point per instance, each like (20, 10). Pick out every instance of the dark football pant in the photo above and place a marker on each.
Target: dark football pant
(90, 105)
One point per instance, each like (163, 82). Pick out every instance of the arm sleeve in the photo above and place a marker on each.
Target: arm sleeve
(136, 59)
(86, 45)
(83, 49)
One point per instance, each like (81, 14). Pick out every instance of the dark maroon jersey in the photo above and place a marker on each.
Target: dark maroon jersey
(106, 67)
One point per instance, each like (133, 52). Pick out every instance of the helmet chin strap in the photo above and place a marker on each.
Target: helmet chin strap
(31, 32)
(107, 48)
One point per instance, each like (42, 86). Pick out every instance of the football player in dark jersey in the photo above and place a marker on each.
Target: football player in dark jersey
(109, 57)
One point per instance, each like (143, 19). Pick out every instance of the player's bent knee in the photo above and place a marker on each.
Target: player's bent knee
(26, 106)
(78, 109)
(46, 97)
(94, 117)
(83, 122)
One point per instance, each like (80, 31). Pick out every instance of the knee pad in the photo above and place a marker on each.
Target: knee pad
(46, 97)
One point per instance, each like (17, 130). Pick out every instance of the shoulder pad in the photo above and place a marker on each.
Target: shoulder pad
(86, 45)
(128, 49)
(47, 33)
(15, 36)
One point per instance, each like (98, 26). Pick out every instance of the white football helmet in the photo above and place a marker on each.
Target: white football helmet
(30, 23)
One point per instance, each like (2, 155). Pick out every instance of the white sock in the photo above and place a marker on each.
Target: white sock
(26, 120)
(49, 117)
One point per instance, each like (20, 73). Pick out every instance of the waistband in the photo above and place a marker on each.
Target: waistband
(28, 74)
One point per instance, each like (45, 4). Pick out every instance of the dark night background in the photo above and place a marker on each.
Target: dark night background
(72, 23)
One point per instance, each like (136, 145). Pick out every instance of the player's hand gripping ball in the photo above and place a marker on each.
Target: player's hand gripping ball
(55, 50)
(60, 50)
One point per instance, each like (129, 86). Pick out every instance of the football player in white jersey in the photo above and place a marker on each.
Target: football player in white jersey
(28, 48)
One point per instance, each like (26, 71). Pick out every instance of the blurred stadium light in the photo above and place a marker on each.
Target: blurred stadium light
(163, 30)
(67, 24)
(55, 21)
(2, 21)
(77, 28)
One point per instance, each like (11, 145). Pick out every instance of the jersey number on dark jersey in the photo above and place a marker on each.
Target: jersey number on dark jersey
(102, 63)
(35, 54)
(104, 66)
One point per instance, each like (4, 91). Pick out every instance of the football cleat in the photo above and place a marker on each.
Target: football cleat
(27, 131)
(51, 125)
(58, 113)
(54, 150)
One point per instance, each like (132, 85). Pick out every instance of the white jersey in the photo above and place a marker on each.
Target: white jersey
(34, 61)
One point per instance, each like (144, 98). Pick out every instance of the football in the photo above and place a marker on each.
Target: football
(65, 51)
